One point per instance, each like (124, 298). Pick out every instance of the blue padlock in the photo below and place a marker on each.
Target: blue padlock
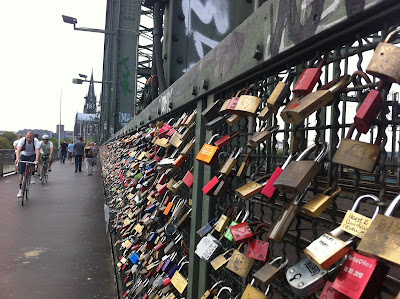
(135, 258)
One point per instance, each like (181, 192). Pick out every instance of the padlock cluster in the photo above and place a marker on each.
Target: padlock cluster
(148, 178)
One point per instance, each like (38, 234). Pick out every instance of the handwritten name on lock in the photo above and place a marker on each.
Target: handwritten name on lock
(324, 246)
(355, 224)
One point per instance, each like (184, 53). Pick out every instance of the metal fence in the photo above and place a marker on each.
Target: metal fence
(349, 44)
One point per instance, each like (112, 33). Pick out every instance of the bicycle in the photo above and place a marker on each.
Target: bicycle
(26, 180)
(45, 175)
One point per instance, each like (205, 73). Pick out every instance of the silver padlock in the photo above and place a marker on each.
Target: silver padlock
(208, 248)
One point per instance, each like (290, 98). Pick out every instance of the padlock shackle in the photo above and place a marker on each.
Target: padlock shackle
(216, 284)
(224, 288)
(239, 92)
(184, 263)
(283, 265)
(393, 205)
(249, 88)
(239, 151)
(289, 76)
(389, 37)
(212, 138)
(246, 215)
(311, 148)
(272, 129)
(257, 230)
(334, 194)
(321, 63)
(362, 75)
(288, 160)
(356, 204)
(238, 215)
(228, 251)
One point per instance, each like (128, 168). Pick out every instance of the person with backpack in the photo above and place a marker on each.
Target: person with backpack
(88, 156)
(27, 150)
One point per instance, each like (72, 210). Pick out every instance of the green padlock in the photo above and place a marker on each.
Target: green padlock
(228, 233)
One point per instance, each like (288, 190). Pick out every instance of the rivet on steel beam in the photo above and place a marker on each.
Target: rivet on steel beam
(149, 117)
(159, 111)
(205, 84)
(165, 56)
(170, 105)
(179, 60)
(194, 91)
(258, 52)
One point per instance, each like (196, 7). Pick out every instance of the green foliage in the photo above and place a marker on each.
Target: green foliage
(55, 142)
(4, 143)
(10, 136)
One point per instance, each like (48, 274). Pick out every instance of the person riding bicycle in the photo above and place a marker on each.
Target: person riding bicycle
(27, 150)
(46, 152)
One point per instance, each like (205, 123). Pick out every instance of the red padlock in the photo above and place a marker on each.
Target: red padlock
(369, 109)
(211, 185)
(269, 189)
(360, 276)
(309, 77)
(233, 102)
(226, 139)
(259, 249)
(242, 233)
(188, 178)
(329, 293)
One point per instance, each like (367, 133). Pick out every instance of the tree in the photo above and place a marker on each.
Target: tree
(4, 143)
(55, 142)
(10, 136)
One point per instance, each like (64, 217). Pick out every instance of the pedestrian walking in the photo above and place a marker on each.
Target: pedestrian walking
(88, 156)
(77, 152)
(63, 147)
(70, 149)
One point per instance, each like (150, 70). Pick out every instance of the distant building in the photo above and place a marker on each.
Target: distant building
(58, 130)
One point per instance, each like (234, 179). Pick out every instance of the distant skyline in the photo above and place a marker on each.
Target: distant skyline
(39, 57)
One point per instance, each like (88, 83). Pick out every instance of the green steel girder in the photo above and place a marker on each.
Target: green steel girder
(284, 31)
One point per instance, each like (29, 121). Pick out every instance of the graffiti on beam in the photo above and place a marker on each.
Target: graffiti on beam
(124, 118)
(207, 12)
(292, 22)
(125, 76)
(164, 100)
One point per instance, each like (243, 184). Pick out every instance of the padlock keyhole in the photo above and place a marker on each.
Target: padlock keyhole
(298, 275)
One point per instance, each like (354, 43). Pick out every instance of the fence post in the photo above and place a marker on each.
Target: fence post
(1, 166)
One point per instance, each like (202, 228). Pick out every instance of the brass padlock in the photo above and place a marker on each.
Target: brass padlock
(191, 119)
(382, 238)
(265, 113)
(212, 291)
(261, 135)
(358, 154)
(230, 103)
(280, 93)
(188, 147)
(221, 290)
(328, 248)
(320, 202)
(220, 260)
(179, 281)
(385, 64)
(234, 119)
(298, 174)
(241, 173)
(247, 104)
(299, 109)
(252, 188)
(230, 162)
(253, 293)
(267, 273)
(223, 221)
(239, 263)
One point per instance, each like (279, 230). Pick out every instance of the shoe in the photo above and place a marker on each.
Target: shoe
(76, 170)
(40, 178)
(80, 170)
(49, 170)
(19, 195)
(33, 180)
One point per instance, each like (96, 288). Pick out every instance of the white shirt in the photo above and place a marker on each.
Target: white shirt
(29, 148)
(15, 144)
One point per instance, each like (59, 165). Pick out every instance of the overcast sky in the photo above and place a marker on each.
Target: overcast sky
(39, 56)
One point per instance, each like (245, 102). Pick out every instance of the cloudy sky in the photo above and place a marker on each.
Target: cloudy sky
(40, 55)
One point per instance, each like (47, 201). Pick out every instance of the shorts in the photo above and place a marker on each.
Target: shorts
(23, 165)
(41, 158)
(69, 155)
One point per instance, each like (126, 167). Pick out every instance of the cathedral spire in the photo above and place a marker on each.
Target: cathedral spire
(90, 103)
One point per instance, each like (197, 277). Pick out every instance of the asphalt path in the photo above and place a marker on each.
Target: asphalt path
(55, 246)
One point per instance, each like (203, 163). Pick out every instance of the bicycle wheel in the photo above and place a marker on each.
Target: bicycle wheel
(23, 189)
(27, 185)
(44, 173)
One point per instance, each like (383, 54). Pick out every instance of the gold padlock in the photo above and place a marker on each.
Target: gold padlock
(220, 260)
(260, 136)
(230, 162)
(241, 174)
(239, 263)
(383, 236)
(385, 64)
(212, 291)
(188, 147)
(252, 188)
(223, 221)
(320, 202)
(267, 273)
(234, 119)
(265, 113)
(179, 281)
(253, 293)
(221, 290)
(281, 91)
(247, 104)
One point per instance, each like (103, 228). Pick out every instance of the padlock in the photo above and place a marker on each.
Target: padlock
(188, 178)
(208, 248)
(309, 77)
(228, 233)
(298, 174)
(329, 293)
(239, 263)
(252, 292)
(267, 273)
(286, 218)
(176, 139)
(265, 114)
(184, 221)
(190, 120)
(211, 111)
(242, 233)
(162, 142)
(247, 104)
(212, 291)
(234, 119)
(216, 122)
(320, 202)
(141, 287)
(258, 249)
(357, 154)
(208, 152)
(188, 147)
(230, 162)
(223, 186)
(230, 108)
(160, 154)
(179, 161)
(252, 188)
(261, 135)
(221, 290)
(241, 173)
(227, 139)
(221, 260)
(205, 229)
(385, 64)
(328, 248)
(281, 92)
(360, 276)
(269, 189)
(382, 238)
(223, 220)
(169, 262)
(210, 187)
(179, 281)
(171, 245)
(165, 128)
(305, 278)
(299, 109)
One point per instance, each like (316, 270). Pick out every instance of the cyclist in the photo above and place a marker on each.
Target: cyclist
(46, 150)
(27, 150)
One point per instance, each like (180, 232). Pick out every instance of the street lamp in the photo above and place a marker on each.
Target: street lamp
(71, 20)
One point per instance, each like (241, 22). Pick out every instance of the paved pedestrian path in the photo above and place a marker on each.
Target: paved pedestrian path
(55, 246)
